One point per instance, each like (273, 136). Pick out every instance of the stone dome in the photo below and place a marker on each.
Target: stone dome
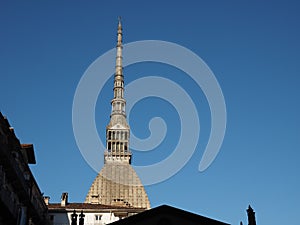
(118, 184)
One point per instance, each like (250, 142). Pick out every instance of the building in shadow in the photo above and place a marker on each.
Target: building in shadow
(21, 201)
(167, 215)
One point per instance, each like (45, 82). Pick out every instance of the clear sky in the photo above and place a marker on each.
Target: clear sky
(253, 49)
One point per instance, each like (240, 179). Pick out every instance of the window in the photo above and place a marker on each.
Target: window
(98, 219)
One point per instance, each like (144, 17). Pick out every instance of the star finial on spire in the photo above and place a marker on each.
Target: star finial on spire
(119, 21)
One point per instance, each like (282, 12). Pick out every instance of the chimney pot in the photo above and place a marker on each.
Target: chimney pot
(46, 200)
(64, 199)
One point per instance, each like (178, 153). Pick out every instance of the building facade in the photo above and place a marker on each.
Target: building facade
(21, 200)
(93, 214)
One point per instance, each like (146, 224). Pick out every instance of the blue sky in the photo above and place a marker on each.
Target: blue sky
(251, 46)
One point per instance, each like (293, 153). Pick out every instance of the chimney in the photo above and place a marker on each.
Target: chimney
(64, 199)
(251, 216)
(46, 200)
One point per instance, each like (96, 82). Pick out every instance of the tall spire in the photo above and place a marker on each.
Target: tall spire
(119, 69)
(117, 183)
(118, 102)
(117, 131)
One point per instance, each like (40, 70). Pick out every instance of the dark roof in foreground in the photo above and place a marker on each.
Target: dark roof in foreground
(167, 215)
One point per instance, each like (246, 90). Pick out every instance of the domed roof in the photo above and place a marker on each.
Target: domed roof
(118, 184)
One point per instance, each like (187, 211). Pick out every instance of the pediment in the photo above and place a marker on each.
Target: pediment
(167, 215)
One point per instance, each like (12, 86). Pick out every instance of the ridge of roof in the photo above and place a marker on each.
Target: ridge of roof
(76, 205)
(170, 211)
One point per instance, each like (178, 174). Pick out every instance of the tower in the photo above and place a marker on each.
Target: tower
(117, 131)
(117, 184)
(251, 216)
